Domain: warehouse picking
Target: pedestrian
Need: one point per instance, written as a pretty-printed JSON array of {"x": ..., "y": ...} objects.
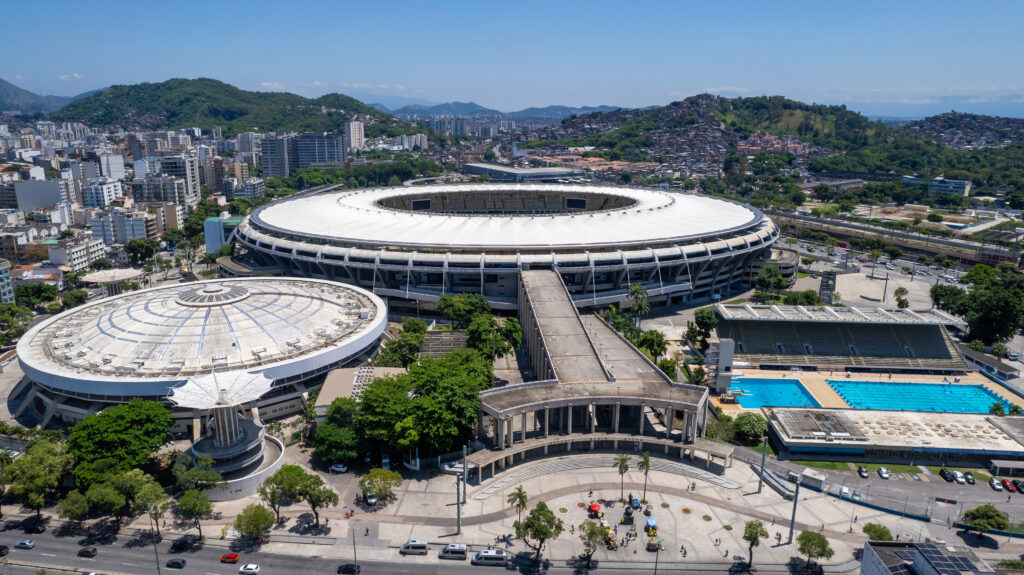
[
  {"x": 773, "y": 521},
  {"x": 591, "y": 494},
  {"x": 572, "y": 529},
  {"x": 367, "y": 534},
  {"x": 854, "y": 518},
  {"x": 726, "y": 552}
]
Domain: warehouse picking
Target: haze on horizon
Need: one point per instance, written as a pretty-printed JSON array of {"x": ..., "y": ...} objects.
[{"x": 893, "y": 58}]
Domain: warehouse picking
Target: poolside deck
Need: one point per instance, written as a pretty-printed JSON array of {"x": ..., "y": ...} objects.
[{"x": 814, "y": 382}]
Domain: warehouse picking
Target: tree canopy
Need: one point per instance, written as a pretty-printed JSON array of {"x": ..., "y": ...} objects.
[
  {"x": 118, "y": 438},
  {"x": 462, "y": 308},
  {"x": 986, "y": 518},
  {"x": 993, "y": 309},
  {"x": 381, "y": 483},
  {"x": 540, "y": 525}
]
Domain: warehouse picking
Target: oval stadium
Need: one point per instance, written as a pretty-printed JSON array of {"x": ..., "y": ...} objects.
[
  {"x": 417, "y": 243},
  {"x": 196, "y": 338}
]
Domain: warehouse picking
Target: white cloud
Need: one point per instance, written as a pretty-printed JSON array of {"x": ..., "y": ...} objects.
[
  {"x": 64, "y": 77},
  {"x": 317, "y": 83},
  {"x": 272, "y": 85},
  {"x": 17, "y": 76},
  {"x": 76, "y": 75}
]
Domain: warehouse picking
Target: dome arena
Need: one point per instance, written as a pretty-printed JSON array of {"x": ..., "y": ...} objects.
[
  {"x": 417, "y": 243},
  {"x": 208, "y": 342}
]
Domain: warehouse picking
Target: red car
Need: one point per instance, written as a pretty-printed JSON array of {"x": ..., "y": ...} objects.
[
  {"x": 229, "y": 558},
  {"x": 1009, "y": 486}
]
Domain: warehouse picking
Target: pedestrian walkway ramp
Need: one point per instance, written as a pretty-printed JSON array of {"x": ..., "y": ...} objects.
[{"x": 562, "y": 465}]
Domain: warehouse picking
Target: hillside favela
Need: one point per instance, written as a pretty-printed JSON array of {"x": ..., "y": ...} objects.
[{"x": 461, "y": 287}]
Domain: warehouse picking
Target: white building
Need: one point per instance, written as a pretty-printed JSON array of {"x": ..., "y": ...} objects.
[
  {"x": 941, "y": 185},
  {"x": 118, "y": 227},
  {"x": 63, "y": 213},
  {"x": 77, "y": 254},
  {"x": 101, "y": 192},
  {"x": 252, "y": 189},
  {"x": 112, "y": 166},
  {"x": 354, "y": 137}
]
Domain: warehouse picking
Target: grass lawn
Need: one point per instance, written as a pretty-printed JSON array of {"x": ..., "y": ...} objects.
[
  {"x": 894, "y": 467},
  {"x": 738, "y": 300},
  {"x": 980, "y": 475},
  {"x": 760, "y": 445},
  {"x": 836, "y": 465},
  {"x": 801, "y": 275}
]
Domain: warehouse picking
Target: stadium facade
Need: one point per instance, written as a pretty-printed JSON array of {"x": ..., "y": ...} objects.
[{"x": 418, "y": 243}]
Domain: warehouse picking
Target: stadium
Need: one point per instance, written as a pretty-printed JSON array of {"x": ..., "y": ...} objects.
[
  {"x": 190, "y": 344},
  {"x": 417, "y": 243}
]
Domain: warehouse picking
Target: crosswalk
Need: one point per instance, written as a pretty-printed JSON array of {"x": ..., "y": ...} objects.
[{"x": 561, "y": 465}]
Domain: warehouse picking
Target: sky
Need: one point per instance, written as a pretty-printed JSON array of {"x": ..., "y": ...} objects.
[{"x": 894, "y": 57}]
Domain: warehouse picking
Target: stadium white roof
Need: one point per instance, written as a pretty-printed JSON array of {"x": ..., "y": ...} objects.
[
  {"x": 172, "y": 334},
  {"x": 356, "y": 216},
  {"x": 833, "y": 314}
]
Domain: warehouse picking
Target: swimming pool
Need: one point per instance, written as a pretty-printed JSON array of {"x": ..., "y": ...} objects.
[
  {"x": 916, "y": 396},
  {"x": 759, "y": 392}
]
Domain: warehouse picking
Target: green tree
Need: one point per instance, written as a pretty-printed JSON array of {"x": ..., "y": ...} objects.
[
  {"x": 462, "y": 308},
  {"x": 813, "y": 545},
  {"x": 492, "y": 338},
  {"x": 104, "y": 499},
  {"x": 1016, "y": 409},
  {"x": 518, "y": 500},
  {"x": 695, "y": 375},
  {"x": 539, "y": 526},
  {"x": 381, "y": 483},
  {"x": 977, "y": 345},
  {"x": 74, "y": 298},
  {"x": 334, "y": 443},
  {"x": 644, "y": 466},
  {"x": 194, "y": 504},
  {"x": 997, "y": 408},
  {"x": 141, "y": 249},
  {"x": 173, "y": 236},
  {"x": 74, "y": 506},
  {"x": 706, "y": 320},
  {"x": 284, "y": 487},
  {"x": 152, "y": 500},
  {"x": 901, "y": 297},
  {"x": 669, "y": 367},
  {"x": 654, "y": 342},
  {"x": 117, "y": 439},
  {"x": 753, "y": 533},
  {"x": 622, "y": 466},
  {"x": 750, "y": 426},
  {"x": 394, "y": 181},
  {"x": 253, "y": 521},
  {"x": 592, "y": 535},
  {"x": 35, "y": 476},
  {"x": 196, "y": 473},
  {"x": 769, "y": 278},
  {"x": 876, "y": 532},
  {"x": 318, "y": 496},
  {"x": 999, "y": 349},
  {"x": 100, "y": 264},
  {"x": 986, "y": 518},
  {"x": 384, "y": 403}
]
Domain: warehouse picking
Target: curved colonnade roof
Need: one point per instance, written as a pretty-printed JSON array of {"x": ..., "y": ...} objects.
[
  {"x": 358, "y": 217},
  {"x": 186, "y": 332}
]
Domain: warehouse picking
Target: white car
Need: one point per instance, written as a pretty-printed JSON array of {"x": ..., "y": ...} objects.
[
  {"x": 995, "y": 484},
  {"x": 339, "y": 468},
  {"x": 883, "y": 473},
  {"x": 249, "y": 569},
  {"x": 959, "y": 477}
]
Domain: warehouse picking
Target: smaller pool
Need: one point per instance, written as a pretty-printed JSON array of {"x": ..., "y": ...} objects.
[
  {"x": 943, "y": 397},
  {"x": 756, "y": 392}
]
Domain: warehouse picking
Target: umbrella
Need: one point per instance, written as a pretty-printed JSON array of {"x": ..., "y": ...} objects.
[
  {"x": 651, "y": 522},
  {"x": 595, "y": 507}
]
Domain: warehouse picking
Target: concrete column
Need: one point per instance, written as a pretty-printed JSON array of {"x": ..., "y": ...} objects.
[
  {"x": 547, "y": 424},
  {"x": 615, "y": 417},
  {"x": 524, "y": 427},
  {"x": 640, "y": 420},
  {"x": 568, "y": 410},
  {"x": 499, "y": 424},
  {"x": 510, "y": 433},
  {"x": 670, "y": 419},
  {"x": 593, "y": 420}
]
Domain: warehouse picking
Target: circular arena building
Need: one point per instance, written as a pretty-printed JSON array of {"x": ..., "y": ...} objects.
[
  {"x": 417, "y": 243},
  {"x": 198, "y": 346}
]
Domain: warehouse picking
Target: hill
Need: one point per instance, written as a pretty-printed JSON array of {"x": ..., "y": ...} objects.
[
  {"x": 204, "y": 102},
  {"x": 559, "y": 112},
  {"x": 14, "y": 98},
  {"x": 966, "y": 131},
  {"x": 468, "y": 109}
]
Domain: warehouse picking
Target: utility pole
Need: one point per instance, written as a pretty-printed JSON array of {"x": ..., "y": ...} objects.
[
  {"x": 355, "y": 558},
  {"x": 465, "y": 473},
  {"x": 156, "y": 552},
  {"x": 764, "y": 456},
  {"x": 792, "y": 518},
  {"x": 458, "y": 506},
  {"x": 885, "y": 288}
]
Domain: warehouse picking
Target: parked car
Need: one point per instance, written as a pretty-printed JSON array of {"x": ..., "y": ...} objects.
[
  {"x": 945, "y": 474},
  {"x": 862, "y": 471},
  {"x": 339, "y": 468},
  {"x": 1009, "y": 486},
  {"x": 349, "y": 569},
  {"x": 87, "y": 552},
  {"x": 370, "y": 499},
  {"x": 1019, "y": 485},
  {"x": 249, "y": 569},
  {"x": 959, "y": 477},
  {"x": 883, "y": 473},
  {"x": 856, "y": 495},
  {"x": 995, "y": 484},
  {"x": 844, "y": 492},
  {"x": 25, "y": 544},
  {"x": 36, "y": 527},
  {"x": 176, "y": 563},
  {"x": 4, "y": 550}
]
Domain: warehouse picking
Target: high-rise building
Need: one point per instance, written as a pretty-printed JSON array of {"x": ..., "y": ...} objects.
[
  {"x": 248, "y": 143},
  {"x": 77, "y": 254},
  {"x": 317, "y": 148},
  {"x": 169, "y": 216},
  {"x": 216, "y": 175},
  {"x": 161, "y": 189},
  {"x": 112, "y": 166},
  {"x": 133, "y": 143},
  {"x": 6, "y": 286},
  {"x": 354, "y": 137},
  {"x": 118, "y": 227},
  {"x": 100, "y": 192},
  {"x": 33, "y": 195},
  {"x": 252, "y": 189},
  {"x": 63, "y": 213},
  {"x": 279, "y": 155},
  {"x": 186, "y": 168},
  {"x": 216, "y": 133}
]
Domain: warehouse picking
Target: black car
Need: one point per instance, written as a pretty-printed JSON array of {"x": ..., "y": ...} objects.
[
  {"x": 969, "y": 477},
  {"x": 186, "y": 543},
  {"x": 863, "y": 471},
  {"x": 945, "y": 474},
  {"x": 1019, "y": 485},
  {"x": 4, "y": 550},
  {"x": 36, "y": 527},
  {"x": 176, "y": 563},
  {"x": 349, "y": 569},
  {"x": 87, "y": 552}
]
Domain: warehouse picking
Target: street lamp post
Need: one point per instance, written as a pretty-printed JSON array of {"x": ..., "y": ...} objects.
[
  {"x": 764, "y": 457},
  {"x": 156, "y": 551}
]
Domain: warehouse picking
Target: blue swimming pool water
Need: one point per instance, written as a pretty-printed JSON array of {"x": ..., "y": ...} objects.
[
  {"x": 759, "y": 392},
  {"x": 916, "y": 396}
]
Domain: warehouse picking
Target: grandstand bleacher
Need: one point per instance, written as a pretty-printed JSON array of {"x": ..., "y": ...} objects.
[{"x": 845, "y": 338}]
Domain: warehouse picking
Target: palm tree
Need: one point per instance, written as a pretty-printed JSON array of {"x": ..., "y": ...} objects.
[
  {"x": 644, "y": 465},
  {"x": 642, "y": 308},
  {"x": 518, "y": 500},
  {"x": 695, "y": 375},
  {"x": 622, "y": 464},
  {"x": 638, "y": 295}
]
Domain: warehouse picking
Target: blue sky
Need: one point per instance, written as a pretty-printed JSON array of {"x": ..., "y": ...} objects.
[{"x": 873, "y": 56}]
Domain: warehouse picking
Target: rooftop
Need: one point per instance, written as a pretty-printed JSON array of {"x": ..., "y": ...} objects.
[{"x": 833, "y": 314}]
